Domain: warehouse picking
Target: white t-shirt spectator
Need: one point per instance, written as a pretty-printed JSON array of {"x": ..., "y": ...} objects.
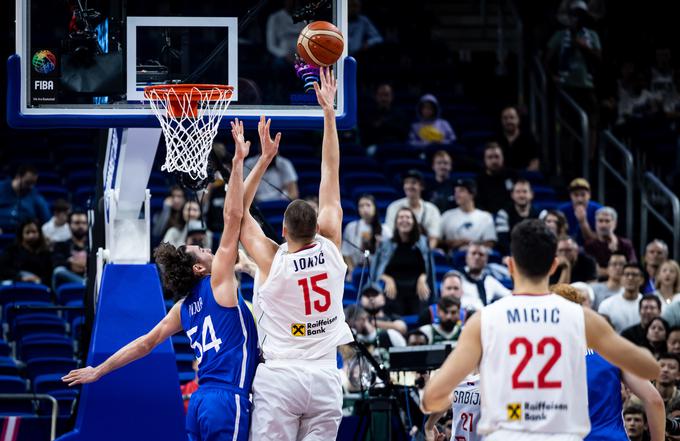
[
  {"x": 477, "y": 225},
  {"x": 357, "y": 233},
  {"x": 493, "y": 288},
  {"x": 54, "y": 233},
  {"x": 282, "y": 34},
  {"x": 602, "y": 292},
  {"x": 428, "y": 216},
  {"x": 277, "y": 176},
  {"x": 622, "y": 313}
]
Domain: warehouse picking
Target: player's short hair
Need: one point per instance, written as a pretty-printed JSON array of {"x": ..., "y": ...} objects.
[
  {"x": 447, "y": 302},
  {"x": 533, "y": 247},
  {"x": 300, "y": 220},
  {"x": 650, "y": 298},
  {"x": 669, "y": 356},
  {"x": 635, "y": 409},
  {"x": 176, "y": 269}
]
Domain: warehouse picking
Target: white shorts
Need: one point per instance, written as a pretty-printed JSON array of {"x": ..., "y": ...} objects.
[
  {"x": 511, "y": 435},
  {"x": 295, "y": 400}
]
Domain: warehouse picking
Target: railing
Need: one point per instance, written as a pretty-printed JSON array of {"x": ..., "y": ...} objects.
[
  {"x": 609, "y": 143},
  {"x": 33, "y": 397},
  {"x": 652, "y": 187},
  {"x": 581, "y": 134},
  {"x": 538, "y": 107}
]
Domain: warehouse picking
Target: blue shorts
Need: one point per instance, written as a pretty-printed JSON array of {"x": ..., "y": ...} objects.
[{"x": 218, "y": 413}]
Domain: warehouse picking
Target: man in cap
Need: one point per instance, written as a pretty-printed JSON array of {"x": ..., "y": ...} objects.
[
  {"x": 427, "y": 214},
  {"x": 580, "y": 212},
  {"x": 466, "y": 224}
]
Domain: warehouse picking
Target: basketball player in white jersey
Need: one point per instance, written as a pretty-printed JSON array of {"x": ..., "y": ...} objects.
[
  {"x": 297, "y": 300},
  {"x": 466, "y": 409},
  {"x": 531, "y": 351}
]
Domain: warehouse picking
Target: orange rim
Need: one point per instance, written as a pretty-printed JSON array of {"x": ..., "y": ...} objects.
[{"x": 173, "y": 93}]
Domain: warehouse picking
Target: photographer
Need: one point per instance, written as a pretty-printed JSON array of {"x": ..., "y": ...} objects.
[
  {"x": 373, "y": 301},
  {"x": 366, "y": 331}
]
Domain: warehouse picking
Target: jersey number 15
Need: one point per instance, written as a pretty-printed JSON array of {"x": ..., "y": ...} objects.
[{"x": 318, "y": 305}]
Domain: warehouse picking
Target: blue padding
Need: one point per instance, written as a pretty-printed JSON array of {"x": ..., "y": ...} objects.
[
  {"x": 18, "y": 120},
  {"x": 141, "y": 401}
]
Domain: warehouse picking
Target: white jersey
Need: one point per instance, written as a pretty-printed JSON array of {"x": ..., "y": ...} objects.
[
  {"x": 299, "y": 306},
  {"x": 466, "y": 409},
  {"x": 533, "y": 367}
]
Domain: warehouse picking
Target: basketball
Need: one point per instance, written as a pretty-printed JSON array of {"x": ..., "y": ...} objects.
[{"x": 320, "y": 43}]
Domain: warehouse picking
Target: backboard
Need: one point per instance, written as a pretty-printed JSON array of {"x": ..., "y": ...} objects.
[{"x": 85, "y": 64}]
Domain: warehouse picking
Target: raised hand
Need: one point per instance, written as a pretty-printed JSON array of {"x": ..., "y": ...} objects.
[
  {"x": 242, "y": 147},
  {"x": 325, "y": 93},
  {"x": 269, "y": 146},
  {"x": 81, "y": 376}
]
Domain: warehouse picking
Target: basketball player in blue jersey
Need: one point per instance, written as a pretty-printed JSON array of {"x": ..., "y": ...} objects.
[
  {"x": 215, "y": 318},
  {"x": 604, "y": 392}
]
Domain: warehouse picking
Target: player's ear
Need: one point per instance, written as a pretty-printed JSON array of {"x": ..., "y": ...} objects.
[
  {"x": 198, "y": 269},
  {"x": 318, "y": 229},
  {"x": 511, "y": 267}
]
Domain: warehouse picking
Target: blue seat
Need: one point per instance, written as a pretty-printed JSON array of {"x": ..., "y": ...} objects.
[
  {"x": 81, "y": 178},
  {"x": 247, "y": 289},
  {"x": 309, "y": 177},
  {"x": 410, "y": 320},
  {"x": 158, "y": 179},
  {"x": 4, "y": 349},
  {"x": 350, "y": 292},
  {"x": 306, "y": 164},
  {"x": 70, "y": 165},
  {"x": 276, "y": 222},
  {"x": 52, "y": 192},
  {"x": 12, "y": 310},
  {"x": 77, "y": 327},
  {"x": 24, "y": 326},
  {"x": 440, "y": 258},
  {"x": 46, "y": 347},
  {"x": 185, "y": 377},
  {"x": 382, "y": 192},
  {"x": 535, "y": 177},
  {"x": 6, "y": 239},
  {"x": 396, "y": 150},
  {"x": 349, "y": 207},
  {"x": 273, "y": 208},
  {"x": 48, "y": 383},
  {"x": 71, "y": 314},
  {"x": 50, "y": 178},
  {"x": 82, "y": 196},
  {"x": 8, "y": 367},
  {"x": 69, "y": 292},
  {"x": 546, "y": 205},
  {"x": 440, "y": 270},
  {"x": 357, "y": 179},
  {"x": 347, "y": 218},
  {"x": 358, "y": 164},
  {"x": 185, "y": 362},
  {"x": 65, "y": 399},
  {"x": 12, "y": 385},
  {"x": 24, "y": 292},
  {"x": 544, "y": 193},
  {"x": 50, "y": 365},
  {"x": 182, "y": 345}
]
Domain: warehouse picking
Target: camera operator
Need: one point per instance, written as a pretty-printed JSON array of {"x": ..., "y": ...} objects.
[{"x": 373, "y": 301}]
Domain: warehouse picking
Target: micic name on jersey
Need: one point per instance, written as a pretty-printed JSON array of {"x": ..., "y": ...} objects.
[{"x": 533, "y": 315}]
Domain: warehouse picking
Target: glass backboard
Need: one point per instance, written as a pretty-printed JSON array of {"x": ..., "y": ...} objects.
[{"x": 85, "y": 64}]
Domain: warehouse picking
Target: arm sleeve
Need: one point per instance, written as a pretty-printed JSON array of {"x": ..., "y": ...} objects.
[
  {"x": 434, "y": 220},
  {"x": 489, "y": 229}
]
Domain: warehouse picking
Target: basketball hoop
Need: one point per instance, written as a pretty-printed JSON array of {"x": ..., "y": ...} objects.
[{"x": 190, "y": 115}]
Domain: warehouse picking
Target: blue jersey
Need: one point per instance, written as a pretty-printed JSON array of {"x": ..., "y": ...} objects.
[
  {"x": 224, "y": 339},
  {"x": 604, "y": 399}
]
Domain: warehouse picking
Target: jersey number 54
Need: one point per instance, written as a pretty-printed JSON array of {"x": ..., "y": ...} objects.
[{"x": 204, "y": 345}]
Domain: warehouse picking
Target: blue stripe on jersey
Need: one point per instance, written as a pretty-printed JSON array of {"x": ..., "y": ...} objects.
[
  {"x": 604, "y": 400},
  {"x": 224, "y": 339}
]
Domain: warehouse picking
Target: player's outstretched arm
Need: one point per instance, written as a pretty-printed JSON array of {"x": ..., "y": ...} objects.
[
  {"x": 652, "y": 402},
  {"x": 459, "y": 363},
  {"x": 330, "y": 209},
  {"x": 617, "y": 350},
  {"x": 222, "y": 275},
  {"x": 257, "y": 244},
  {"x": 136, "y": 349}
]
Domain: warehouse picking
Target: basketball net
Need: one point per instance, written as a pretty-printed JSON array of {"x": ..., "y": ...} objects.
[{"x": 190, "y": 115}]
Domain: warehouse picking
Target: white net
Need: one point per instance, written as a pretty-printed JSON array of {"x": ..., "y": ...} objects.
[{"x": 189, "y": 117}]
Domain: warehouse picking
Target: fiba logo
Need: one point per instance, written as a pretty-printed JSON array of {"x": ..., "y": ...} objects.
[{"x": 44, "y": 62}]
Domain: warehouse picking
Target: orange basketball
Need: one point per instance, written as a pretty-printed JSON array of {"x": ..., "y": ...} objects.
[{"x": 320, "y": 43}]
